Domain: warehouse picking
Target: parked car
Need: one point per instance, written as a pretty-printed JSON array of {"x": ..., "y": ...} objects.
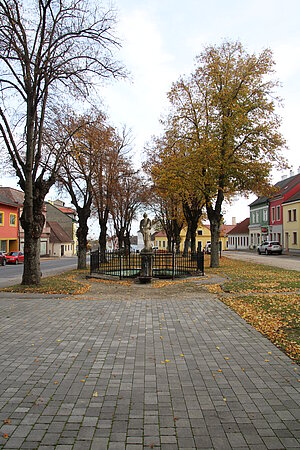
[
  {"x": 2, "y": 258},
  {"x": 14, "y": 257},
  {"x": 207, "y": 248},
  {"x": 269, "y": 247}
]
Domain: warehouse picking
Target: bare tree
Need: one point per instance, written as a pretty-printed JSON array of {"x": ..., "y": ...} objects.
[
  {"x": 130, "y": 194},
  {"x": 111, "y": 149},
  {"x": 46, "y": 49}
]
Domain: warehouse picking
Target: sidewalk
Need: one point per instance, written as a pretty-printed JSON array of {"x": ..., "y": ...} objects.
[{"x": 183, "y": 372}]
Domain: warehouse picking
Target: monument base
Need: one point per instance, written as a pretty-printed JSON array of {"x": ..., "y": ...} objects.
[{"x": 146, "y": 267}]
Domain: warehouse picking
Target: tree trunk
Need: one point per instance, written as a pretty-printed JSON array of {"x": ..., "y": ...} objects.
[
  {"x": 32, "y": 221},
  {"x": 215, "y": 218},
  {"x": 215, "y": 236},
  {"x": 102, "y": 240},
  {"x": 187, "y": 241},
  {"x": 194, "y": 226},
  {"x": 82, "y": 232}
]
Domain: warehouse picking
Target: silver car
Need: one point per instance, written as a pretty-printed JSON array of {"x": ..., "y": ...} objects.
[{"x": 269, "y": 248}]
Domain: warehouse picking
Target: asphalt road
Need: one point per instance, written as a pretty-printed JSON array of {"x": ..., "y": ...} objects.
[
  {"x": 287, "y": 262},
  {"x": 11, "y": 274}
]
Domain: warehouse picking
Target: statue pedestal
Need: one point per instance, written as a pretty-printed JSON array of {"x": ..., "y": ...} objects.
[{"x": 146, "y": 267}]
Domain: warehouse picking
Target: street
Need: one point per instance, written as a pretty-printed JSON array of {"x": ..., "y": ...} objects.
[
  {"x": 12, "y": 274},
  {"x": 288, "y": 262}
]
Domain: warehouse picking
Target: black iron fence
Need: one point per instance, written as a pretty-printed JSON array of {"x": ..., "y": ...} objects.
[{"x": 165, "y": 265}]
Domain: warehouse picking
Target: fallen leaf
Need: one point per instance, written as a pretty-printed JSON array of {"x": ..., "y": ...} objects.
[
  {"x": 5, "y": 435},
  {"x": 7, "y": 421},
  {"x": 220, "y": 370},
  {"x": 167, "y": 360},
  {"x": 181, "y": 354},
  {"x": 82, "y": 381},
  {"x": 95, "y": 394}
]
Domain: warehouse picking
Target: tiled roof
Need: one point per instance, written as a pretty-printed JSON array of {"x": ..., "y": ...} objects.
[
  {"x": 241, "y": 228},
  {"x": 66, "y": 209},
  {"x": 6, "y": 200},
  {"x": 160, "y": 234},
  {"x": 224, "y": 230},
  {"x": 282, "y": 186},
  {"x": 14, "y": 195},
  {"x": 294, "y": 198},
  {"x": 58, "y": 234}
]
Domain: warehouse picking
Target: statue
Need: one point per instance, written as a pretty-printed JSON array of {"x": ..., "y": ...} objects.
[{"x": 145, "y": 229}]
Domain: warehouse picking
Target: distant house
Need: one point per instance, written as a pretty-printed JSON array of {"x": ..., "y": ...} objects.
[
  {"x": 17, "y": 197},
  {"x": 238, "y": 237},
  {"x": 203, "y": 236},
  {"x": 66, "y": 217},
  {"x": 60, "y": 241},
  {"x": 259, "y": 221},
  {"x": 9, "y": 224},
  {"x": 291, "y": 223}
]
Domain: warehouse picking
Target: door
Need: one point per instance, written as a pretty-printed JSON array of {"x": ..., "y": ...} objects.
[{"x": 62, "y": 250}]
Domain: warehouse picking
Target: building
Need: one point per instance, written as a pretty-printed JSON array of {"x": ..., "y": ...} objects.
[
  {"x": 291, "y": 223},
  {"x": 17, "y": 197},
  {"x": 66, "y": 217},
  {"x": 259, "y": 221},
  {"x": 9, "y": 224},
  {"x": 203, "y": 237},
  {"x": 287, "y": 187},
  {"x": 238, "y": 237},
  {"x": 60, "y": 242}
]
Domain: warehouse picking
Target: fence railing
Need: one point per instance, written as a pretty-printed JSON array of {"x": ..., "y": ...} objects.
[{"x": 165, "y": 265}]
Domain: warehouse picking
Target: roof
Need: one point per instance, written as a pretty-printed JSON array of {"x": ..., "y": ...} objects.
[
  {"x": 241, "y": 227},
  {"x": 259, "y": 201},
  {"x": 14, "y": 195},
  {"x": 282, "y": 186},
  {"x": 293, "y": 198},
  {"x": 7, "y": 201},
  {"x": 66, "y": 209},
  {"x": 224, "y": 230},
  {"x": 58, "y": 234},
  {"x": 160, "y": 234}
]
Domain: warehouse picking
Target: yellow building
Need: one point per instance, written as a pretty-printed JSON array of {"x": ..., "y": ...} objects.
[
  {"x": 202, "y": 237},
  {"x": 291, "y": 223}
]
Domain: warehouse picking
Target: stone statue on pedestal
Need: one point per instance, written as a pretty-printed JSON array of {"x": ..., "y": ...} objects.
[{"x": 145, "y": 228}]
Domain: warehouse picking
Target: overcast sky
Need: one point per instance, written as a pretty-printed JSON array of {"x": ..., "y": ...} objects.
[{"x": 161, "y": 38}]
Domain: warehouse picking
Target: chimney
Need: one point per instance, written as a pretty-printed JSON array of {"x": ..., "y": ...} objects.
[
  {"x": 291, "y": 173},
  {"x": 234, "y": 221}
]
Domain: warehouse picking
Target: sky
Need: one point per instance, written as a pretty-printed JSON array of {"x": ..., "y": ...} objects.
[{"x": 160, "y": 40}]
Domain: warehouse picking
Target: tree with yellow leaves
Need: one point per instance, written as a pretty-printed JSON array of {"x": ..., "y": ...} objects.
[{"x": 224, "y": 113}]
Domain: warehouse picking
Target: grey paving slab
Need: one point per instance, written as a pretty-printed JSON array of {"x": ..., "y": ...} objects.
[{"x": 174, "y": 373}]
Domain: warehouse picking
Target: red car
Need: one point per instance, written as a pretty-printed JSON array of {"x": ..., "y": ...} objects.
[
  {"x": 2, "y": 258},
  {"x": 14, "y": 258}
]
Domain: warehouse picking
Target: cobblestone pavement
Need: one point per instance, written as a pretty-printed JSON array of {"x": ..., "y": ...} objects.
[{"x": 183, "y": 372}]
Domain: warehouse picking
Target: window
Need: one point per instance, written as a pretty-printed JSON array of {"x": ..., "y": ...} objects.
[
  {"x": 1, "y": 218},
  {"x": 289, "y": 215},
  {"x": 278, "y": 212},
  {"x": 294, "y": 237},
  {"x": 12, "y": 220},
  {"x": 199, "y": 232},
  {"x": 279, "y": 238},
  {"x": 164, "y": 244},
  {"x": 294, "y": 215},
  {"x": 272, "y": 214},
  {"x": 159, "y": 243},
  {"x": 257, "y": 217},
  {"x": 253, "y": 217}
]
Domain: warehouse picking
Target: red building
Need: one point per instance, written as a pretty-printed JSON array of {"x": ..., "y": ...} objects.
[
  {"x": 286, "y": 188},
  {"x": 16, "y": 198},
  {"x": 9, "y": 224}
]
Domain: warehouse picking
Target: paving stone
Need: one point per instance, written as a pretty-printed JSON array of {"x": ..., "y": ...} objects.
[{"x": 114, "y": 347}]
